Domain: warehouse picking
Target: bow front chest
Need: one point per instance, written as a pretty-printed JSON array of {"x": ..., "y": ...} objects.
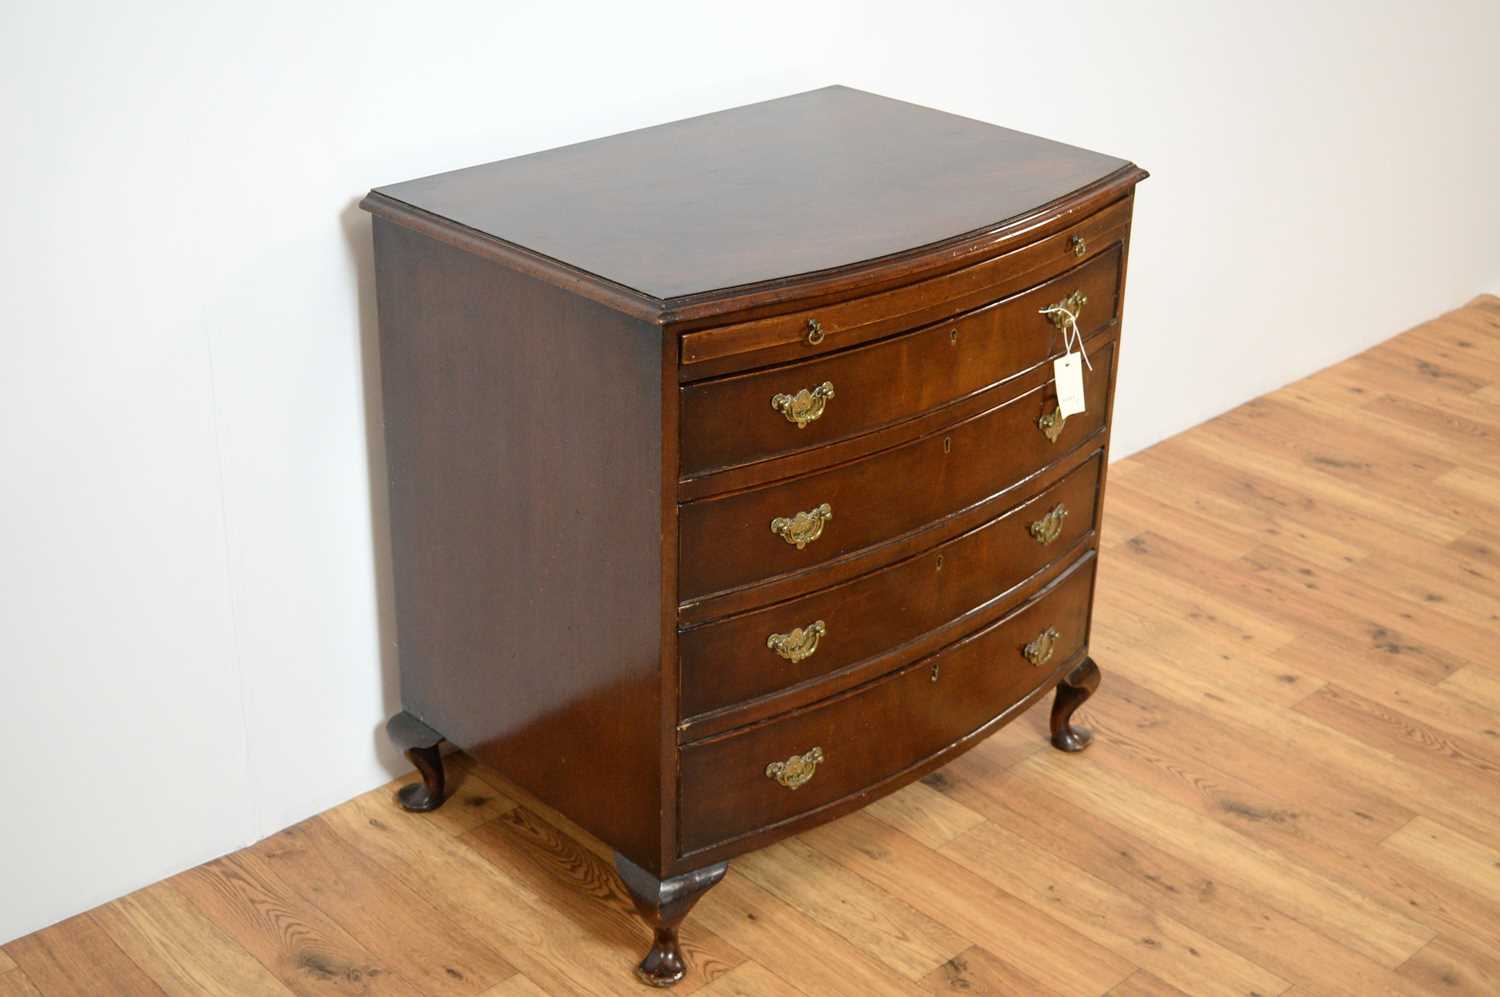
[{"x": 730, "y": 487}]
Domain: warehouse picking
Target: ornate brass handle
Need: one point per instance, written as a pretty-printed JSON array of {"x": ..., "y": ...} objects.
[
  {"x": 1049, "y": 527},
  {"x": 796, "y": 770},
  {"x": 1073, "y": 303},
  {"x": 805, "y": 406},
  {"x": 815, "y": 332},
  {"x": 801, "y": 643},
  {"x": 1051, "y": 424},
  {"x": 1079, "y": 245},
  {"x": 1039, "y": 651},
  {"x": 803, "y": 528}
]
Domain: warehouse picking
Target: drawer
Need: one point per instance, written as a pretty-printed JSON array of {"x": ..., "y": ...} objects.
[
  {"x": 788, "y": 767},
  {"x": 750, "y": 417},
  {"x": 835, "y": 325},
  {"x": 755, "y": 654},
  {"x": 794, "y": 525}
]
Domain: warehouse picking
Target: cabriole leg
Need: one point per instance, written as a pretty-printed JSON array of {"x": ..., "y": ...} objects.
[
  {"x": 1071, "y": 694},
  {"x": 420, "y": 743},
  {"x": 663, "y": 904}
]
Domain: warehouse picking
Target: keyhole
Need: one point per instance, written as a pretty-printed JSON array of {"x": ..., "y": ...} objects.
[
  {"x": 947, "y": 444},
  {"x": 940, "y": 562},
  {"x": 953, "y": 336},
  {"x": 935, "y": 669}
]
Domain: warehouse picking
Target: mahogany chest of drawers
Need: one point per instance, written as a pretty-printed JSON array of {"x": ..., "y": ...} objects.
[{"x": 728, "y": 486}]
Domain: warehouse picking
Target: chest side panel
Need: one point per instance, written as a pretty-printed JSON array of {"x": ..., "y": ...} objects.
[{"x": 524, "y": 447}]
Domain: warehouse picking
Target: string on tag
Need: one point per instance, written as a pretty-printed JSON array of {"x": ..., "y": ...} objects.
[{"x": 1072, "y": 337}]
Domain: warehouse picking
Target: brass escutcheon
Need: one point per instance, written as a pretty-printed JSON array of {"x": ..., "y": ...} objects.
[
  {"x": 815, "y": 332},
  {"x": 796, "y": 770},
  {"x": 1073, "y": 303},
  {"x": 1049, "y": 527},
  {"x": 1039, "y": 651},
  {"x": 805, "y": 406},
  {"x": 801, "y": 643},
  {"x": 1079, "y": 246},
  {"x": 803, "y": 528},
  {"x": 1051, "y": 424}
]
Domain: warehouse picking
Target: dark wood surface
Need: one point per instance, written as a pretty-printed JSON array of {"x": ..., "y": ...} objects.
[
  {"x": 882, "y": 728},
  {"x": 526, "y": 478},
  {"x": 726, "y": 542},
  {"x": 801, "y": 184},
  {"x": 874, "y": 619},
  {"x": 730, "y": 421}
]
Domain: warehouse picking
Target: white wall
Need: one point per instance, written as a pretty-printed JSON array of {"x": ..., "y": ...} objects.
[{"x": 193, "y": 636}]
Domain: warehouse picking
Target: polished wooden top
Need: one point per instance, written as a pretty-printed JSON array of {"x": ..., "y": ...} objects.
[{"x": 757, "y": 194}]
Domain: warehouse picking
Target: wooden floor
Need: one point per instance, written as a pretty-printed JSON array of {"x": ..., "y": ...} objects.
[{"x": 1295, "y": 788}]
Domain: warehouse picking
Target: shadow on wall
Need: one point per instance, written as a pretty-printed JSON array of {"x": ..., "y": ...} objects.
[{"x": 359, "y": 241}]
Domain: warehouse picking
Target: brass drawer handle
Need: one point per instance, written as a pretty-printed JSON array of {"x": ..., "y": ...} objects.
[
  {"x": 1039, "y": 651},
  {"x": 1049, "y": 527},
  {"x": 800, "y": 644},
  {"x": 803, "y": 528},
  {"x": 805, "y": 406},
  {"x": 1051, "y": 424},
  {"x": 1073, "y": 303},
  {"x": 815, "y": 332},
  {"x": 1079, "y": 246},
  {"x": 796, "y": 770}
]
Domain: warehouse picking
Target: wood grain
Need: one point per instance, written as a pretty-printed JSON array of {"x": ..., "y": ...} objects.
[
  {"x": 76, "y": 956},
  {"x": 181, "y": 949},
  {"x": 14, "y": 983},
  {"x": 1291, "y": 792}
]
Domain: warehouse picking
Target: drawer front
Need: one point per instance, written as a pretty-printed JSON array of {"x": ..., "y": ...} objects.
[
  {"x": 749, "y": 417},
  {"x": 797, "y": 524},
  {"x": 791, "y": 766},
  {"x": 833, "y": 326},
  {"x": 759, "y": 653}
]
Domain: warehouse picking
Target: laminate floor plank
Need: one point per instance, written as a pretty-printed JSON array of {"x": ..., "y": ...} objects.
[
  {"x": 976, "y": 971},
  {"x": 442, "y": 956},
  {"x": 309, "y": 953},
  {"x": 905, "y": 939},
  {"x": 181, "y": 949},
  {"x": 77, "y": 957},
  {"x": 1292, "y": 788},
  {"x": 15, "y": 983},
  {"x": 1452, "y": 966},
  {"x": 1137, "y": 932}
]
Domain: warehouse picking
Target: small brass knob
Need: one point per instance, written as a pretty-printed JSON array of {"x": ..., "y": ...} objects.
[
  {"x": 815, "y": 332},
  {"x": 1079, "y": 246}
]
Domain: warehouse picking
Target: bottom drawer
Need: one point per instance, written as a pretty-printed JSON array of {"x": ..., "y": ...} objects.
[{"x": 742, "y": 782}]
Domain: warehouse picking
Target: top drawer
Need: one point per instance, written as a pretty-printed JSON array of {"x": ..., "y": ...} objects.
[{"x": 739, "y": 420}]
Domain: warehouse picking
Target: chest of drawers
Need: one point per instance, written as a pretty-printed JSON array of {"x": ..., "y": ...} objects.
[{"x": 728, "y": 486}]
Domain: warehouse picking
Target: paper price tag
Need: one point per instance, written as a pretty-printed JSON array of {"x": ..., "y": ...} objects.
[{"x": 1067, "y": 372}]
